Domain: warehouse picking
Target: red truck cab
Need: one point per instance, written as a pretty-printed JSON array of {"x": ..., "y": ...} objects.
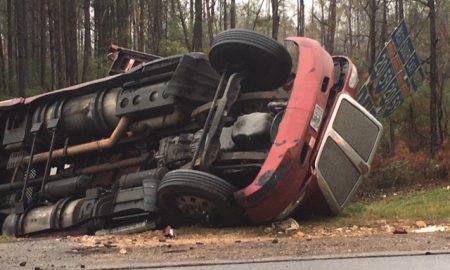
[{"x": 322, "y": 83}]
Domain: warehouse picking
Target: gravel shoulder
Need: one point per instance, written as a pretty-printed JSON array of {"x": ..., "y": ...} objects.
[{"x": 201, "y": 246}]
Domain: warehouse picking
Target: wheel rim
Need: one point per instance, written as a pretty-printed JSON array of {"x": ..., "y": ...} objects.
[{"x": 195, "y": 207}]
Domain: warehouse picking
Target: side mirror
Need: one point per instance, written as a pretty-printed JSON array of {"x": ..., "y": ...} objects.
[{"x": 346, "y": 151}]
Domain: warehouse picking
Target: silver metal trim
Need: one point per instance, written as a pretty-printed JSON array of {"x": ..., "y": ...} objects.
[{"x": 356, "y": 159}]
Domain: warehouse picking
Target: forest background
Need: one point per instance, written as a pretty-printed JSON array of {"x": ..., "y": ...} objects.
[{"x": 51, "y": 44}]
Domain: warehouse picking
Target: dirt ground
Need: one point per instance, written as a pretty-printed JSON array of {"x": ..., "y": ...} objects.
[{"x": 195, "y": 245}]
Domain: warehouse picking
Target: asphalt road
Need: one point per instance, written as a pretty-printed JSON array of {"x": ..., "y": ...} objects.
[
  {"x": 227, "y": 251},
  {"x": 372, "y": 262}
]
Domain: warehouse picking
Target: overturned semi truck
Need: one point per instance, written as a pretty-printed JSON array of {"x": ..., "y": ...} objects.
[{"x": 254, "y": 132}]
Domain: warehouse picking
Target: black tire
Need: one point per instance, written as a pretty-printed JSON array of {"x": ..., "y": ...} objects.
[
  {"x": 215, "y": 194},
  {"x": 267, "y": 62}
]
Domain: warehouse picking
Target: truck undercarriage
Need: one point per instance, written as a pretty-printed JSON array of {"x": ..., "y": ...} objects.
[{"x": 250, "y": 134}]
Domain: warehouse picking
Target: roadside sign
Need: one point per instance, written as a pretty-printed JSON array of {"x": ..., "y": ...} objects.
[{"x": 396, "y": 73}]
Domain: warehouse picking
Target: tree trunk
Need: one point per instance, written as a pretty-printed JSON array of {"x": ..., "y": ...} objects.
[
  {"x": 141, "y": 25},
  {"x": 257, "y": 15},
  {"x": 191, "y": 13},
  {"x": 384, "y": 38},
  {"x": 156, "y": 25},
  {"x": 331, "y": 27},
  {"x": 213, "y": 16},
  {"x": 133, "y": 25},
  {"x": 233, "y": 14},
  {"x": 198, "y": 32},
  {"x": 26, "y": 42},
  {"x": 42, "y": 44},
  {"x": 350, "y": 28},
  {"x": 52, "y": 43},
  {"x": 112, "y": 23},
  {"x": 401, "y": 12},
  {"x": 372, "y": 33},
  {"x": 301, "y": 18},
  {"x": 323, "y": 36},
  {"x": 33, "y": 22},
  {"x": 434, "y": 133},
  {"x": 103, "y": 26},
  {"x": 275, "y": 19},
  {"x": 2, "y": 67},
  {"x": 123, "y": 23},
  {"x": 59, "y": 50},
  {"x": 87, "y": 39},
  {"x": 391, "y": 137},
  {"x": 443, "y": 115},
  {"x": 210, "y": 21},
  {"x": 72, "y": 57},
  {"x": 165, "y": 27},
  {"x": 65, "y": 42},
  {"x": 358, "y": 29},
  {"x": 21, "y": 47},
  {"x": 225, "y": 15},
  {"x": 384, "y": 25},
  {"x": 11, "y": 51},
  {"x": 187, "y": 43}
]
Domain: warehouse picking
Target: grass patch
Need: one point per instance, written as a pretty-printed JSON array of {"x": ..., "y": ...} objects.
[
  {"x": 4, "y": 238},
  {"x": 431, "y": 206}
]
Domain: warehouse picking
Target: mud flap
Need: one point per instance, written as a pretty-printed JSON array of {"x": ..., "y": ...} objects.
[{"x": 346, "y": 151}]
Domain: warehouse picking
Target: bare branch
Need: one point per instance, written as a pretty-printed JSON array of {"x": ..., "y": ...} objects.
[{"x": 425, "y": 3}]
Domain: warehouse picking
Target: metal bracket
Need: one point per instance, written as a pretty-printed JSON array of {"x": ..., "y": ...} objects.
[
  {"x": 52, "y": 125},
  {"x": 209, "y": 144},
  {"x": 21, "y": 204}
]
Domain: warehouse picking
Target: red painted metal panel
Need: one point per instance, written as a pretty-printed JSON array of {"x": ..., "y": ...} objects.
[{"x": 279, "y": 182}]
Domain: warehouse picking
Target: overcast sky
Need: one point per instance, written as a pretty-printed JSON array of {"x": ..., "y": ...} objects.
[{"x": 293, "y": 12}]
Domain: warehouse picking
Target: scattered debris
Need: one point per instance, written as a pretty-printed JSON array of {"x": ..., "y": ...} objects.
[
  {"x": 421, "y": 224},
  {"x": 430, "y": 229},
  {"x": 169, "y": 232},
  {"x": 23, "y": 263},
  {"x": 109, "y": 244},
  {"x": 381, "y": 221},
  {"x": 275, "y": 241},
  {"x": 123, "y": 251},
  {"x": 386, "y": 228},
  {"x": 399, "y": 230},
  {"x": 128, "y": 229},
  {"x": 287, "y": 225}
]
